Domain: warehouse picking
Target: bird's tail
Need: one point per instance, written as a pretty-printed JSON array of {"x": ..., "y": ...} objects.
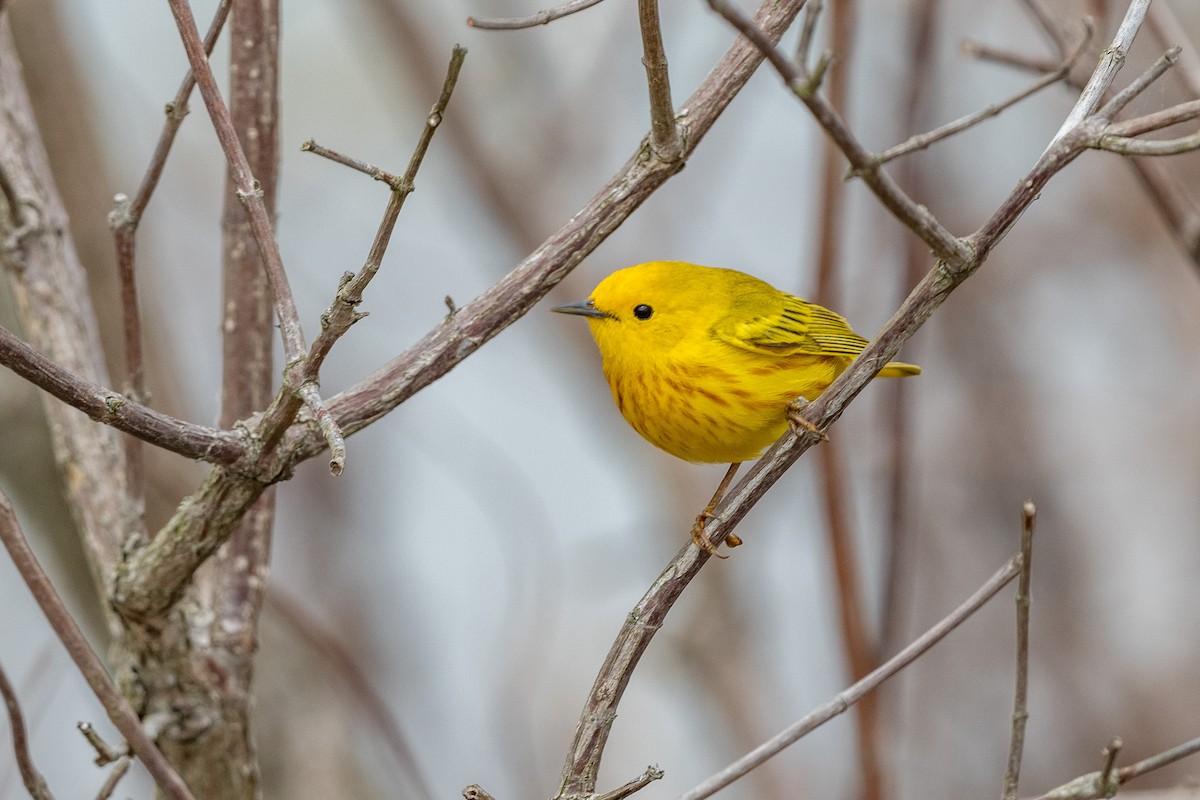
[{"x": 898, "y": 369}]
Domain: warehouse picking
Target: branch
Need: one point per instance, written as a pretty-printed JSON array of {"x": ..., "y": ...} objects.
[
  {"x": 106, "y": 406},
  {"x": 843, "y": 700},
  {"x": 1016, "y": 744},
  {"x": 89, "y": 664},
  {"x": 924, "y": 140},
  {"x": 540, "y": 18},
  {"x": 1107, "y": 783},
  {"x": 664, "y": 135},
  {"x": 35, "y": 784},
  {"x": 1111, "y": 61},
  {"x": 124, "y": 220}
]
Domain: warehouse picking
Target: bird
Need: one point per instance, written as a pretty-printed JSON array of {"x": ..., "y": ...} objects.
[{"x": 705, "y": 362}]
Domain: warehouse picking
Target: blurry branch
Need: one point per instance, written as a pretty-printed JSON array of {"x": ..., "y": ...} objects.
[
  {"x": 1020, "y": 715},
  {"x": 1167, "y": 30},
  {"x": 533, "y": 20},
  {"x": 89, "y": 664},
  {"x": 812, "y": 12},
  {"x": 664, "y": 134},
  {"x": 105, "y": 753},
  {"x": 846, "y": 698},
  {"x": 35, "y": 784},
  {"x": 124, "y": 221},
  {"x": 118, "y": 772},
  {"x": 1107, "y": 782},
  {"x": 1010, "y": 58},
  {"x": 150, "y": 580},
  {"x": 924, "y": 140},
  {"x": 117, "y": 410},
  {"x": 845, "y": 562},
  {"x": 324, "y": 642},
  {"x": 459, "y": 335}
]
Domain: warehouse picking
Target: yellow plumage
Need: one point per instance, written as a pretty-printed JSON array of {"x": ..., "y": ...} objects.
[{"x": 703, "y": 362}]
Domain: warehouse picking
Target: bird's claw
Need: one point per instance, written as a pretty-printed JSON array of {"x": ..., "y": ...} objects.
[
  {"x": 800, "y": 425},
  {"x": 702, "y": 541}
]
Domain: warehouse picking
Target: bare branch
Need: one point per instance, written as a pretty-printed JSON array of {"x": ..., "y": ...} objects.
[
  {"x": 540, "y": 18},
  {"x": 664, "y": 135},
  {"x": 1167, "y": 30},
  {"x": 375, "y": 172},
  {"x": 248, "y": 191},
  {"x": 1143, "y": 147},
  {"x": 1139, "y": 85},
  {"x": 944, "y": 244},
  {"x": 1020, "y": 715},
  {"x": 105, "y": 754},
  {"x": 1110, "y": 753},
  {"x": 846, "y": 698},
  {"x": 924, "y": 140},
  {"x": 1106, "y": 71},
  {"x": 1107, "y": 782},
  {"x": 1183, "y": 112},
  {"x": 1179, "y": 751},
  {"x": 105, "y": 405},
  {"x": 812, "y": 12},
  {"x": 651, "y": 774},
  {"x": 118, "y": 772},
  {"x": 1000, "y": 55},
  {"x": 35, "y": 784},
  {"x": 89, "y": 664}
]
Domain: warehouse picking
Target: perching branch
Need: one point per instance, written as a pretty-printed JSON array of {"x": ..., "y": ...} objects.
[
  {"x": 35, "y": 784},
  {"x": 846, "y": 698},
  {"x": 89, "y": 664},
  {"x": 540, "y": 18}
]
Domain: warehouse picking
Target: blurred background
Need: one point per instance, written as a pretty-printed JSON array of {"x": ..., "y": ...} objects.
[{"x": 488, "y": 537}]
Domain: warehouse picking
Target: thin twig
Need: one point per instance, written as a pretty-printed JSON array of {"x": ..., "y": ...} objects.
[
  {"x": 1183, "y": 112},
  {"x": 652, "y": 773},
  {"x": 110, "y": 784},
  {"x": 1106, "y": 70},
  {"x": 924, "y": 140},
  {"x": 1109, "y": 754},
  {"x": 89, "y": 664},
  {"x": 104, "y": 753},
  {"x": 844, "y": 699},
  {"x": 664, "y": 134},
  {"x": 1127, "y": 146},
  {"x": 804, "y": 85},
  {"x": 1009, "y": 58},
  {"x": 1107, "y": 782},
  {"x": 1122, "y": 98},
  {"x": 812, "y": 12},
  {"x": 375, "y": 172},
  {"x": 1126, "y": 774},
  {"x": 111, "y": 408},
  {"x": 35, "y": 784},
  {"x": 1020, "y": 715},
  {"x": 540, "y": 18}
]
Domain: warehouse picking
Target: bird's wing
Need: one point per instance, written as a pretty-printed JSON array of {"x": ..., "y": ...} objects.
[{"x": 794, "y": 326}]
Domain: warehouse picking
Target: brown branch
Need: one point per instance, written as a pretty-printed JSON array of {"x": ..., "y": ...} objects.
[
  {"x": 118, "y": 772},
  {"x": 540, "y": 18},
  {"x": 664, "y": 134},
  {"x": 1167, "y": 30},
  {"x": 1020, "y": 715},
  {"x": 924, "y": 140},
  {"x": 124, "y": 221},
  {"x": 651, "y": 774},
  {"x": 106, "y": 406},
  {"x": 89, "y": 664},
  {"x": 35, "y": 784},
  {"x": 379, "y": 174},
  {"x": 1009, "y": 58},
  {"x": 812, "y": 12},
  {"x": 803, "y": 84},
  {"x": 1138, "y": 85},
  {"x": 848, "y": 697},
  {"x": 1127, "y": 146}
]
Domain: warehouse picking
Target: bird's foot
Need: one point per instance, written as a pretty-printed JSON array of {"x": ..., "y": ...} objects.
[{"x": 799, "y": 424}]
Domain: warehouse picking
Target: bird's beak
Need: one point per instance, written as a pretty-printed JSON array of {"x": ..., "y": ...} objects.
[{"x": 584, "y": 308}]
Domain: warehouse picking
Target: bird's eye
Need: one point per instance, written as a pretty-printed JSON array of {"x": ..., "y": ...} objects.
[{"x": 643, "y": 311}]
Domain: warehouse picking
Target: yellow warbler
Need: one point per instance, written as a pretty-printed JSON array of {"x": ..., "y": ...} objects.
[{"x": 704, "y": 362}]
